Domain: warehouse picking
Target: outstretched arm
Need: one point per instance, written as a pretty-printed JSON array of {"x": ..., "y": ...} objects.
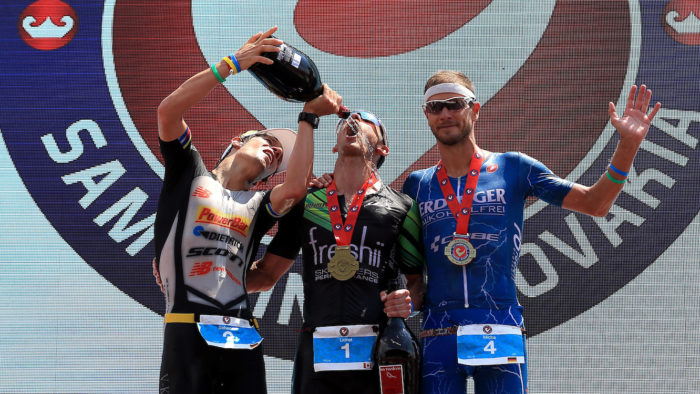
[
  {"x": 633, "y": 126},
  {"x": 285, "y": 195},
  {"x": 172, "y": 108}
]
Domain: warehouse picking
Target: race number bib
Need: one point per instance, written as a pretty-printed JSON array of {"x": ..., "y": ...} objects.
[
  {"x": 344, "y": 348},
  {"x": 490, "y": 344},
  {"x": 228, "y": 332}
]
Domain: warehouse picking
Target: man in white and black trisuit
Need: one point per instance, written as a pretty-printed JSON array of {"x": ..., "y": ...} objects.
[
  {"x": 356, "y": 234},
  {"x": 209, "y": 225}
]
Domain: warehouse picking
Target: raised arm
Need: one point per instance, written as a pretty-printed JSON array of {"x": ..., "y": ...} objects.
[
  {"x": 633, "y": 126},
  {"x": 285, "y": 195},
  {"x": 171, "y": 125}
]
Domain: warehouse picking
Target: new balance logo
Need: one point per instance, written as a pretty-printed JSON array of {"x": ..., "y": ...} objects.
[
  {"x": 201, "y": 268},
  {"x": 201, "y": 192}
]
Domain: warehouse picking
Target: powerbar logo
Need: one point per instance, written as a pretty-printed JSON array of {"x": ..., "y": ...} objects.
[{"x": 236, "y": 223}]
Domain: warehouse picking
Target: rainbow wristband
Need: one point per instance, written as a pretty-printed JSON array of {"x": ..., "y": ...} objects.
[
  {"x": 216, "y": 73},
  {"x": 620, "y": 172},
  {"x": 619, "y": 181}
]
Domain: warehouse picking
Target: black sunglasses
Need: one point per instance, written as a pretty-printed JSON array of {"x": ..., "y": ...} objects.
[{"x": 452, "y": 104}]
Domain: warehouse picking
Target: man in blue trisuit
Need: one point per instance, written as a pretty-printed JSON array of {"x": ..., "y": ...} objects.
[{"x": 471, "y": 205}]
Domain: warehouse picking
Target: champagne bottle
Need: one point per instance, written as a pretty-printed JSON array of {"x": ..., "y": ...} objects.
[
  {"x": 397, "y": 355},
  {"x": 293, "y": 76}
]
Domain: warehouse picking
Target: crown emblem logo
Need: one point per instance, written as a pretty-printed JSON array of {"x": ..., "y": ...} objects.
[
  {"x": 691, "y": 24},
  {"x": 47, "y": 29}
]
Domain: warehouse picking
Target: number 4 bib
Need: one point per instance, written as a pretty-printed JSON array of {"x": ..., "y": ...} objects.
[{"x": 490, "y": 344}]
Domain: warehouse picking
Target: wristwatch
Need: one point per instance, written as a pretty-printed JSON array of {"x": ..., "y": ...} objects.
[{"x": 309, "y": 118}]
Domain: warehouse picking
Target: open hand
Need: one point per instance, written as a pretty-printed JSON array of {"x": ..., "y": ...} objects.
[{"x": 634, "y": 123}]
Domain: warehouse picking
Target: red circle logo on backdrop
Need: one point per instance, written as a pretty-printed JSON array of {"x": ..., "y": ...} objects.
[
  {"x": 681, "y": 21},
  {"x": 48, "y": 24}
]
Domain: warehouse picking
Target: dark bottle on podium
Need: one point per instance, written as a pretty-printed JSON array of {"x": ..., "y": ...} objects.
[
  {"x": 397, "y": 355},
  {"x": 293, "y": 76}
]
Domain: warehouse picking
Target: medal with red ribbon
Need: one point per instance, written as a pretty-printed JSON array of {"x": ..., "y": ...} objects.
[
  {"x": 343, "y": 265},
  {"x": 460, "y": 251}
]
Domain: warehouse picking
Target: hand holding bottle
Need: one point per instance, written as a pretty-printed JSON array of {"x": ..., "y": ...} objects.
[
  {"x": 252, "y": 51},
  {"x": 396, "y": 350},
  {"x": 397, "y": 303},
  {"x": 329, "y": 102}
]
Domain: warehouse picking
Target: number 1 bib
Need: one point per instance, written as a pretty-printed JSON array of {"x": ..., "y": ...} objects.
[
  {"x": 344, "y": 348},
  {"x": 490, "y": 344}
]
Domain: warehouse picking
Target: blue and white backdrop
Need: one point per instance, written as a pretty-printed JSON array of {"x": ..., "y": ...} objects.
[{"x": 611, "y": 303}]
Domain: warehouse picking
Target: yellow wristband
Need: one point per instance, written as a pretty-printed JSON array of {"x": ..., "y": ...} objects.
[{"x": 230, "y": 65}]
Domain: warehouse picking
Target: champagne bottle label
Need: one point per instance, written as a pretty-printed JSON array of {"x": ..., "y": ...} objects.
[
  {"x": 287, "y": 55},
  {"x": 391, "y": 379}
]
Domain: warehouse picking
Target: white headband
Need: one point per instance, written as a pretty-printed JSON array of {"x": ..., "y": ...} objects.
[{"x": 448, "y": 88}]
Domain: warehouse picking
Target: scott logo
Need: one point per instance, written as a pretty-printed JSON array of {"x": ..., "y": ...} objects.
[{"x": 212, "y": 251}]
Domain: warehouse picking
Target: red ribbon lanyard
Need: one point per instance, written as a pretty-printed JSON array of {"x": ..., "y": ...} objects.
[
  {"x": 461, "y": 213},
  {"x": 343, "y": 231}
]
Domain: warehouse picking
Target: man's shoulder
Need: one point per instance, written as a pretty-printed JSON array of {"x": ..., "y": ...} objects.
[
  {"x": 419, "y": 176},
  {"x": 396, "y": 195},
  {"x": 513, "y": 155},
  {"x": 422, "y": 172}
]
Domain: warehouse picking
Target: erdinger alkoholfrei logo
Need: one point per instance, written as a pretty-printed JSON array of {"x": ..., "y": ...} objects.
[{"x": 82, "y": 133}]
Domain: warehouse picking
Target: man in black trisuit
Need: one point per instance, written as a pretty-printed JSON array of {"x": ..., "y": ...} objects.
[
  {"x": 355, "y": 235},
  {"x": 208, "y": 227}
]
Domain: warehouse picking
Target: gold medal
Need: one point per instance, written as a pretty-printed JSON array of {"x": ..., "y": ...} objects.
[
  {"x": 460, "y": 251},
  {"x": 343, "y": 266}
]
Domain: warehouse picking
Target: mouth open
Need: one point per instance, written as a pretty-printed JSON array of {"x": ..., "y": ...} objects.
[{"x": 352, "y": 129}]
